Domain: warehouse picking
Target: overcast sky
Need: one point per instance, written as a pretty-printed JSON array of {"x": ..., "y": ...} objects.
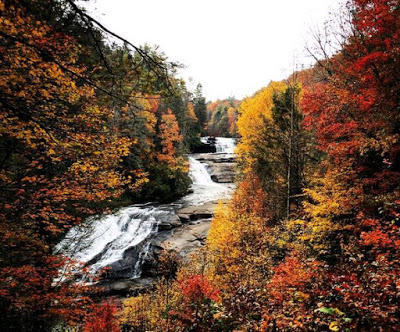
[{"x": 231, "y": 47}]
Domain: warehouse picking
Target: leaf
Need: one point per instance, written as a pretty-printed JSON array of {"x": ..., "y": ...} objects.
[
  {"x": 337, "y": 311},
  {"x": 334, "y": 326},
  {"x": 326, "y": 310}
]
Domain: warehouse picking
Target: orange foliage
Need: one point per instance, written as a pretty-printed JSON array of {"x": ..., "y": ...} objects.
[
  {"x": 59, "y": 155},
  {"x": 170, "y": 137},
  {"x": 292, "y": 275},
  {"x": 197, "y": 288}
]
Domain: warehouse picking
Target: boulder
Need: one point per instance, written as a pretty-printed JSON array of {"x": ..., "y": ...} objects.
[
  {"x": 124, "y": 287},
  {"x": 204, "y": 211},
  {"x": 223, "y": 172},
  {"x": 187, "y": 239},
  {"x": 184, "y": 217},
  {"x": 172, "y": 222}
]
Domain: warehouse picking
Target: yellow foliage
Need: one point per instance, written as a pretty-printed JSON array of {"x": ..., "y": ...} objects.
[
  {"x": 191, "y": 115},
  {"x": 253, "y": 112},
  {"x": 150, "y": 311},
  {"x": 237, "y": 248},
  {"x": 331, "y": 196}
]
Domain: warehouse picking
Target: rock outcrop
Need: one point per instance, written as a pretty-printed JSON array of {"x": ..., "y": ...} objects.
[
  {"x": 221, "y": 166},
  {"x": 183, "y": 231}
]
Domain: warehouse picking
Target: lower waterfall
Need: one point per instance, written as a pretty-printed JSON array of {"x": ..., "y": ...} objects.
[{"x": 121, "y": 240}]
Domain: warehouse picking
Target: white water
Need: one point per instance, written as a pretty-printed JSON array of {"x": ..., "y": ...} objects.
[
  {"x": 204, "y": 189},
  {"x": 198, "y": 173},
  {"x": 105, "y": 241},
  {"x": 225, "y": 145}
]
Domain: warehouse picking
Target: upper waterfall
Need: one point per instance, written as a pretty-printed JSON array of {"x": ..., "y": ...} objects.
[
  {"x": 222, "y": 144},
  {"x": 225, "y": 145}
]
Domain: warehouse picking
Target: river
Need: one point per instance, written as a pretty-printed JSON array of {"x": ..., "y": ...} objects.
[{"x": 122, "y": 240}]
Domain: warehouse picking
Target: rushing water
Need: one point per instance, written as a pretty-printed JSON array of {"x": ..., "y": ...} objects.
[
  {"x": 122, "y": 239},
  {"x": 225, "y": 145},
  {"x": 222, "y": 144}
]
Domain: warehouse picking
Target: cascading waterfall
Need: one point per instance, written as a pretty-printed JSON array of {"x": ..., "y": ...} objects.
[
  {"x": 198, "y": 173},
  {"x": 105, "y": 241},
  {"x": 225, "y": 145},
  {"x": 204, "y": 188},
  {"x": 222, "y": 144},
  {"x": 122, "y": 240}
]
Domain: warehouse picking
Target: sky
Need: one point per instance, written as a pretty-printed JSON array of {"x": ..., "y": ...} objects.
[{"x": 232, "y": 47}]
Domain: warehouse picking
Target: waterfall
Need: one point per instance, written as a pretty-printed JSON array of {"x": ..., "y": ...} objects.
[
  {"x": 198, "y": 173},
  {"x": 204, "y": 188},
  {"x": 222, "y": 144},
  {"x": 225, "y": 145},
  {"x": 122, "y": 240},
  {"x": 104, "y": 241}
]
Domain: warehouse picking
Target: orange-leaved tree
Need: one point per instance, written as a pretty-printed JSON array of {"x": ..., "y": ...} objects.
[{"x": 58, "y": 159}]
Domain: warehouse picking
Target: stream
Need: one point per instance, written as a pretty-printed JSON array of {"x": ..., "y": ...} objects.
[{"x": 122, "y": 240}]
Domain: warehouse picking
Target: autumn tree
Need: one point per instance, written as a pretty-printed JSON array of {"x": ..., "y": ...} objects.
[
  {"x": 200, "y": 109},
  {"x": 222, "y": 115},
  {"x": 333, "y": 264},
  {"x": 291, "y": 137},
  {"x": 354, "y": 112},
  {"x": 61, "y": 149}
]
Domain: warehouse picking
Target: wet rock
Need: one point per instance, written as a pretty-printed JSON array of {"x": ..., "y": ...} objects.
[
  {"x": 216, "y": 157},
  {"x": 198, "y": 212},
  {"x": 205, "y": 148},
  {"x": 194, "y": 222},
  {"x": 221, "y": 166},
  {"x": 125, "y": 287},
  {"x": 162, "y": 226},
  {"x": 176, "y": 221},
  {"x": 125, "y": 267},
  {"x": 223, "y": 172},
  {"x": 184, "y": 217},
  {"x": 172, "y": 222},
  {"x": 187, "y": 239}
]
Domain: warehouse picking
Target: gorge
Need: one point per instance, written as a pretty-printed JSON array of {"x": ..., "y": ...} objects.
[{"x": 128, "y": 241}]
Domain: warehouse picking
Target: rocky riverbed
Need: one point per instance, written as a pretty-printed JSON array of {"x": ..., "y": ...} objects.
[
  {"x": 221, "y": 166},
  {"x": 130, "y": 241},
  {"x": 184, "y": 232}
]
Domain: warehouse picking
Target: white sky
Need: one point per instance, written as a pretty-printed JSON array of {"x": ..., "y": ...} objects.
[{"x": 231, "y": 47}]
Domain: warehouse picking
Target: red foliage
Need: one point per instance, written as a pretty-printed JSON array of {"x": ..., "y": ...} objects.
[
  {"x": 355, "y": 111},
  {"x": 103, "y": 319},
  {"x": 291, "y": 275},
  {"x": 197, "y": 288},
  {"x": 355, "y": 115},
  {"x": 359, "y": 102}
]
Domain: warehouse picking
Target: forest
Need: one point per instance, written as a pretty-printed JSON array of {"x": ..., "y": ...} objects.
[{"x": 309, "y": 241}]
